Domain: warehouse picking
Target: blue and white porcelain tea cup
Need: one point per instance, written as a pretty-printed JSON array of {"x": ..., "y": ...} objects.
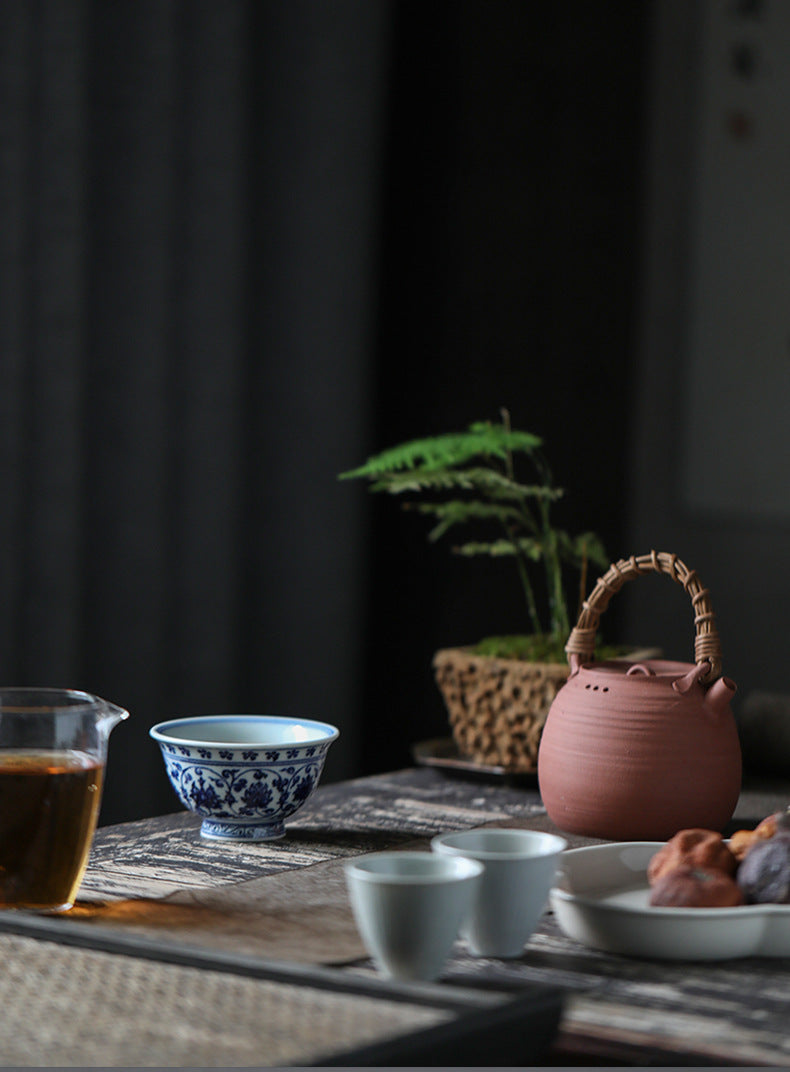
[{"x": 244, "y": 774}]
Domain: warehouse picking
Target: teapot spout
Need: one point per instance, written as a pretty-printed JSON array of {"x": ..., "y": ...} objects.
[{"x": 719, "y": 694}]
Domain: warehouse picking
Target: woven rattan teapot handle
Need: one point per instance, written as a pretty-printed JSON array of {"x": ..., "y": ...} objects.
[{"x": 581, "y": 642}]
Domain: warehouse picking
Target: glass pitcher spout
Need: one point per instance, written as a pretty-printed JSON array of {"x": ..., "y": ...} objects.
[{"x": 108, "y": 715}]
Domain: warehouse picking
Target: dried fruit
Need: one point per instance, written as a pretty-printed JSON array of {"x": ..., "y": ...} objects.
[
  {"x": 783, "y": 820},
  {"x": 691, "y": 887},
  {"x": 704, "y": 849},
  {"x": 764, "y": 873}
]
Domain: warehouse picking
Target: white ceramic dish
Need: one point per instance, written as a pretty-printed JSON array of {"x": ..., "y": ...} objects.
[{"x": 601, "y": 899}]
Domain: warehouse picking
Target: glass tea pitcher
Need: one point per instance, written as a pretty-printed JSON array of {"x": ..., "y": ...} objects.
[{"x": 53, "y": 753}]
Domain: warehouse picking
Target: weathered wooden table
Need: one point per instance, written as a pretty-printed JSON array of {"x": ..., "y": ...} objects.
[{"x": 187, "y": 952}]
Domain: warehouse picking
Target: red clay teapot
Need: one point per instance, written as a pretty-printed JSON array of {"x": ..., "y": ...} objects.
[{"x": 638, "y": 751}]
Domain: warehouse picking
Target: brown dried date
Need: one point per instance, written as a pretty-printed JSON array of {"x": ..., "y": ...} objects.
[{"x": 691, "y": 887}]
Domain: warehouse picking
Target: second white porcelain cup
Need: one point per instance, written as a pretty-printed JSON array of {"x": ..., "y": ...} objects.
[
  {"x": 408, "y": 907},
  {"x": 520, "y": 869}
]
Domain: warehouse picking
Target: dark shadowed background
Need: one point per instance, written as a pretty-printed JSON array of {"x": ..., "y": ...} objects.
[{"x": 246, "y": 243}]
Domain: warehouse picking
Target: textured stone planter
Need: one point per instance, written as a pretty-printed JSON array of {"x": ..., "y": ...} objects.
[{"x": 497, "y": 707}]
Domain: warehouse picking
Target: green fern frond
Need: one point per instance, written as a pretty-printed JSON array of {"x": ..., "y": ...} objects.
[
  {"x": 577, "y": 548},
  {"x": 533, "y": 549},
  {"x": 589, "y": 545},
  {"x": 482, "y": 440},
  {"x": 487, "y": 482},
  {"x": 447, "y": 480},
  {"x": 460, "y": 512},
  {"x": 499, "y": 440}
]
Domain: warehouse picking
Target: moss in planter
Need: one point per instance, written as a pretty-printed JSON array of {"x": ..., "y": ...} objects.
[{"x": 537, "y": 648}]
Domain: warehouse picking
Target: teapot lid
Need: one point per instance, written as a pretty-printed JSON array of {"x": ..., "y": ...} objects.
[{"x": 662, "y": 671}]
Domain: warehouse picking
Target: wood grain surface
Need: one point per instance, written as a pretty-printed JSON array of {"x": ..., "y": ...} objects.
[{"x": 158, "y": 881}]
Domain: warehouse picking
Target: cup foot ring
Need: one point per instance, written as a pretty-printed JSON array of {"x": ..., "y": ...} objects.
[{"x": 212, "y": 828}]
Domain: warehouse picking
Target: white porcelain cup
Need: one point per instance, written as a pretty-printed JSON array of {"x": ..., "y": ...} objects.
[
  {"x": 408, "y": 908},
  {"x": 520, "y": 869}
]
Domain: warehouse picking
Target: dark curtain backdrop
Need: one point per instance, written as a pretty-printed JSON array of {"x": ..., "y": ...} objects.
[
  {"x": 188, "y": 194},
  {"x": 510, "y": 277},
  {"x": 243, "y": 244}
]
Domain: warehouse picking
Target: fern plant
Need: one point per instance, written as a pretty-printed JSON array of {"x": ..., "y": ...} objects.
[{"x": 469, "y": 479}]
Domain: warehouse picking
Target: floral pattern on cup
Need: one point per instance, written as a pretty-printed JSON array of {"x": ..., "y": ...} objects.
[
  {"x": 244, "y": 790},
  {"x": 234, "y": 792}
]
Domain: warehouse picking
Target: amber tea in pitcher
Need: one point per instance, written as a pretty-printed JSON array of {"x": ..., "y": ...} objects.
[
  {"x": 49, "y": 805},
  {"x": 53, "y": 747}
]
